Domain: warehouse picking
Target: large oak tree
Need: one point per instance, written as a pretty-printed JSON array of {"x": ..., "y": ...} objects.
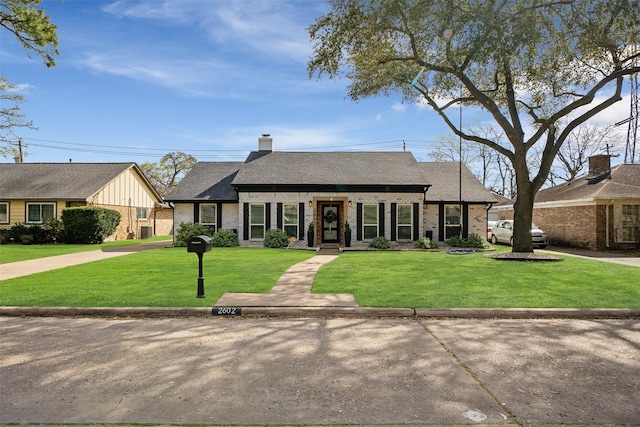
[{"x": 540, "y": 68}]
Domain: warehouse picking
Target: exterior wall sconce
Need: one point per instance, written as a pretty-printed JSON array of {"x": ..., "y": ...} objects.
[
  {"x": 349, "y": 203},
  {"x": 310, "y": 203}
]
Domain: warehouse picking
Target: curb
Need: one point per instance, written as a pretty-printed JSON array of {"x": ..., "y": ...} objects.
[{"x": 314, "y": 312}]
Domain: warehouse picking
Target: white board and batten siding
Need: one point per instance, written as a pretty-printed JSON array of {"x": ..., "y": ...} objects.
[{"x": 127, "y": 189}]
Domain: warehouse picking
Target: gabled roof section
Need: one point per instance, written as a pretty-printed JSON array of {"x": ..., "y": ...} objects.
[
  {"x": 332, "y": 168},
  {"x": 623, "y": 183},
  {"x": 444, "y": 178},
  {"x": 207, "y": 181},
  {"x": 60, "y": 181}
]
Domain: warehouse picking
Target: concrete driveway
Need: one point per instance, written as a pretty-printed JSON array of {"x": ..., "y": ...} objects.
[{"x": 320, "y": 371}]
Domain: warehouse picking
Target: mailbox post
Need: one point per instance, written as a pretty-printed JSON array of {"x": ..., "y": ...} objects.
[{"x": 199, "y": 245}]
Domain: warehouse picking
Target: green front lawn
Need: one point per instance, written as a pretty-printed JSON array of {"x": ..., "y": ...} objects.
[
  {"x": 19, "y": 252},
  {"x": 162, "y": 278},
  {"x": 168, "y": 277},
  {"x": 436, "y": 279}
]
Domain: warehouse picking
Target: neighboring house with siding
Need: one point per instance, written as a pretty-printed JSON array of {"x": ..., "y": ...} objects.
[
  {"x": 379, "y": 194},
  {"x": 598, "y": 211},
  {"x": 31, "y": 193}
]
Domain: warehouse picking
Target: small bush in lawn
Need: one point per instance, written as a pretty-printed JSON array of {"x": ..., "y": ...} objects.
[
  {"x": 275, "y": 238},
  {"x": 17, "y": 231},
  {"x": 187, "y": 230},
  {"x": 380, "y": 242},
  {"x": 225, "y": 239},
  {"x": 472, "y": 241},
  {"x": 425, "y": 243},
  {"x": 54, "y": 232}
]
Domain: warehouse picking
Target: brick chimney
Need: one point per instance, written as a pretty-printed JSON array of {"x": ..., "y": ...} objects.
[
  {"x": 599, "y": 164},
  {"x": 265, "y": 143}
]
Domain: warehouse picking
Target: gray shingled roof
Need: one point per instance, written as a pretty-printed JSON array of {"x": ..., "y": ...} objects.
[
  {"x": 57, "y": 181},
  {"x": 444, "y": 178},
  {"x": 623, "y": 184},
  {"x": 207, "y": 181},
  {"x": 330, "y": 168}
]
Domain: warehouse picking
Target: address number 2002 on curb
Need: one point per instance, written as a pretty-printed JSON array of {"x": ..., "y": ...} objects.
[{"x": 226, "y": 311}]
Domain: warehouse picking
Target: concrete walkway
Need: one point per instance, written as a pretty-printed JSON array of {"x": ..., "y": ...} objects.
[{"x": 293, "y": 289}]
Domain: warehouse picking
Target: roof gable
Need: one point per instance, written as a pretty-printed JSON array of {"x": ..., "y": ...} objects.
[{"x": 60, "y": 181}]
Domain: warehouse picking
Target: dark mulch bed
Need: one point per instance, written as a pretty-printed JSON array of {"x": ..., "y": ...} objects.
[{"x": 522, "y": 256}]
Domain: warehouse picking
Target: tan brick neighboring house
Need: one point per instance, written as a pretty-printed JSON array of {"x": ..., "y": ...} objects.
[
  {"x": 379, "y": 194},
  {"x": 598, "y": 211},
  {"x": 30, "y": 193}
]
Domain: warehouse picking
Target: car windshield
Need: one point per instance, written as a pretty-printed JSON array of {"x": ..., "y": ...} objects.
[{"x": 534, "y": 226}]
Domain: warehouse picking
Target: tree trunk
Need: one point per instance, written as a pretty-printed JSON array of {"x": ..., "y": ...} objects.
[{"x": 523, "y": 207}]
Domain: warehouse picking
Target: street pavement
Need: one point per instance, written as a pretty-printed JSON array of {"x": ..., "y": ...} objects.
[{"x": 319, "y": 371}]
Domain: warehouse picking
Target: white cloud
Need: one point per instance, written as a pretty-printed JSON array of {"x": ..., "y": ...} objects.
[{"x": 399, "y": 107}]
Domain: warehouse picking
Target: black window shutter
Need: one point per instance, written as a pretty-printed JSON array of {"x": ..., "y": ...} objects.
[
  {"x": 196, "y": 213},
  {"x": 394, "y": 221},
  {"x": 267, "y": 216},
  {"x": 279, "y": 220},
  {"x": 416, "y": 221},
  {"x": 245, "y": 221},
  {"x": 358, "y": 221},
  {"x": 301, "y": 221},
  {"x": 441, "y": 231},
  {"x": 381, "y": 229},
  {"x": 218, "y": 215},
  {"x": 465, "y": 221}
]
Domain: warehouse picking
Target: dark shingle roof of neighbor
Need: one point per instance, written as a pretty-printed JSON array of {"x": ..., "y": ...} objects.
[
  {"x": 207, "y": 181},
  {"x": 351, "y": 168},
  {"x": 57, "y": 181},
  {"x": 444, "y": 178},
  {"x": 624, "y": 183}
]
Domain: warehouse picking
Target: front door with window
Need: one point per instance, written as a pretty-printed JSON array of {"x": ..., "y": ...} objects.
[{"x": 330, "y": 223}]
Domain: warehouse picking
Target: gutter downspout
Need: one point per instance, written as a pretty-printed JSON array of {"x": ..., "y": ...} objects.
[{"x": 607, "y": 220}]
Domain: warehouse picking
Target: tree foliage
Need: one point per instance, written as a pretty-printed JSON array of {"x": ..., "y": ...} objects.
[
  {"x": 540, "y": 68},
  {"x": 10, "y": 117},
  {"x": 166, "y": 174},
  {"x": 35, "y": 32},
  {"x": 31, "y": 27}
]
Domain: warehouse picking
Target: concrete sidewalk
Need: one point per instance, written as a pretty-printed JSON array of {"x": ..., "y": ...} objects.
[{"x": 32, "y": 266}]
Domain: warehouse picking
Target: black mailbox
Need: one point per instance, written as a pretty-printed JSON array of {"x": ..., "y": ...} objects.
[{"x": 199, "y": 244}]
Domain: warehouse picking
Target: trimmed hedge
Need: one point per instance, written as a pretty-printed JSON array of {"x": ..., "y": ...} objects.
[{"x": 89, "y": 224}]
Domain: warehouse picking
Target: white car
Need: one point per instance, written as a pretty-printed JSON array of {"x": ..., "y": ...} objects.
[{"x": 502, "y": 232}]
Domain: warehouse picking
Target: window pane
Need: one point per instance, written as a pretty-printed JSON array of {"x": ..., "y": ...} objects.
[
  {"x": 452, "y": 214},
  {"x": 4, "y": 212},
  {"x": 141, "y": 213},
  {"x": 370, "y": 232},
  {"x": 291, "y": 214},
  {"x": 257, "y": 214},
  {"x": 47, "y": 212},
  {"x": 405, "y": 212},
  {"x": 207, "y": 214},
  {"x": 257, "y": 232},
  {"x": 370, "y": 214},
  {"x": 404, "y": 232},
  {"x": 291, "y": 230},
  {"x": 33, "y": 213}
]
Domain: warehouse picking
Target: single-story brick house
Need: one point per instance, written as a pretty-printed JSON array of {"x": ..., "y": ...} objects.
[
  {"x": 31, "y": 193},
  {"x": 598, "y": 211},
  {"x": 379, "y": 194}
]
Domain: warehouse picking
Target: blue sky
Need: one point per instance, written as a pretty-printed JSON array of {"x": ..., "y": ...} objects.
[{"x": 138, "y": 79}]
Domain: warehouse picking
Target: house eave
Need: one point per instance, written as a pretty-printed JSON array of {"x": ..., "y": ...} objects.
[{"x": 355, "y": 188}]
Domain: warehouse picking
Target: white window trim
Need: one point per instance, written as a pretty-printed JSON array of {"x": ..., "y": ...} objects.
[
  {"x": 618, "y": 223},
  {"x": 409, "y": 224},
  {"x": 26, "y": 213},
  {"x": 6, "y": 204},
  {"x": 252, "y": 224},
  {"x": 213, "y": 224},
  {"x": 146, "y": 212},
  {"x": 365, "y": 224},
  {"x": 297, "y": 221}
]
